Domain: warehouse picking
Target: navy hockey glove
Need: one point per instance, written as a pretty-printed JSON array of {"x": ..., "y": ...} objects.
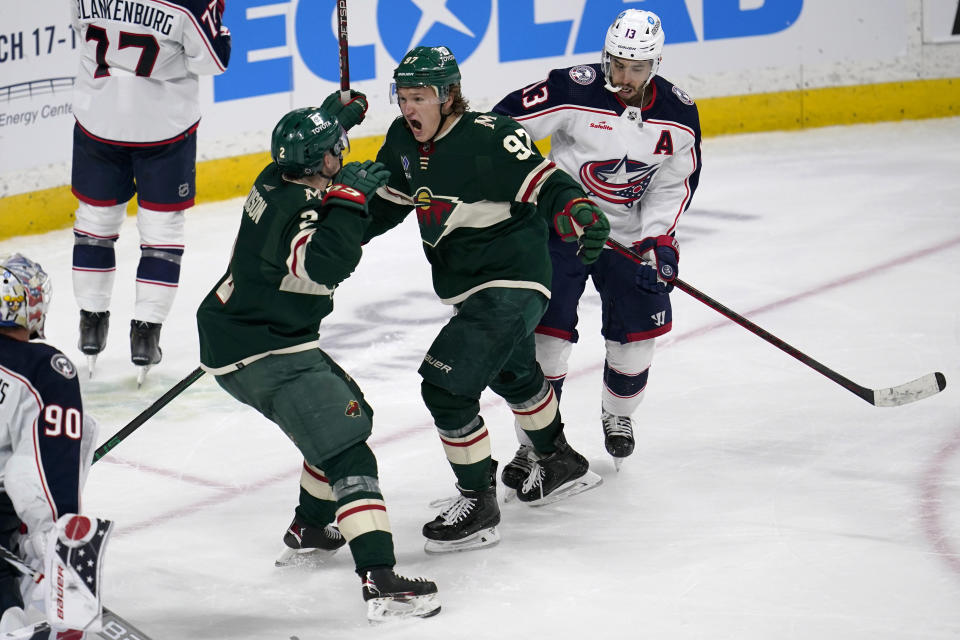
[
  {"x": 350, "y": 114},
  {"x": 659, "y": 269},
  {"x": 356, "y": 183},
  {"x": 583, "y": 221}
]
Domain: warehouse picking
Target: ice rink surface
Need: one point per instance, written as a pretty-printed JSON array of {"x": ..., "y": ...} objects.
[{"x": 763, "y": 500}]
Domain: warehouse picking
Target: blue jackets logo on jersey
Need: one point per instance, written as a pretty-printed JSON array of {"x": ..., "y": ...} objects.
[
  {"x": 62, "y": 365},
  {"x": 583, "y": 74},
  {"x": 619, "y": 181},
  {"x": 404, "y": 24}
]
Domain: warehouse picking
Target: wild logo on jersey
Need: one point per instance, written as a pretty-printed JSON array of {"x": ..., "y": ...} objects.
[
  {"x": 619, "y": 181},
  {"x": 432, "y": 213}
]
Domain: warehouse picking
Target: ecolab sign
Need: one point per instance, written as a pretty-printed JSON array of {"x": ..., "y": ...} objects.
[{"x": 260, "y": 26}]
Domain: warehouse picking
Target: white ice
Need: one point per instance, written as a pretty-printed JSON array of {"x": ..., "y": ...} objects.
[{"x": 763, "y": 500}]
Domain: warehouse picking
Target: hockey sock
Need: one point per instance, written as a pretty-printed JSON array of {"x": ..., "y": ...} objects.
[
  {"x": 95, "y": 234},
  {"x": 317, "y": 506},
  {"x": 463, "y": 434},
  {"x": 361, "y": 512},
  {"x": 625, "y": 373},
  {"x": 468, "y": 451},
  {"x": 158, "y": 272},
  {"x": 539, "y": 417}
]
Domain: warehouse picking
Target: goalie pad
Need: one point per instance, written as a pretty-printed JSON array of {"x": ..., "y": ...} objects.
[{"x": 72, "y": 568}]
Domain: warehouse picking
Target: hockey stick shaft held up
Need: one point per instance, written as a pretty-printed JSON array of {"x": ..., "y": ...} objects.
[{"x": 344, "y": 51}]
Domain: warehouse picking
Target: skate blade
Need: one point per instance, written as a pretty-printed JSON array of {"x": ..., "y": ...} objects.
[
  {"x": 91, "y": 365},
  {"x": 380, "y": 610},
  {"x": 587, "y": 481},
  {"x": 617, "y": 463},
  {"x": 303, "y": 558},
  {"x": 142, "y": 374},
  {"x": 483, "y": 538}
]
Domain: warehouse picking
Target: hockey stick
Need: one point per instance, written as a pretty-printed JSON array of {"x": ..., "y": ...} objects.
[
  {"x": 114, "y": 627},
  {"x": 147, "y": 413},
  {"x": 344, "y": 51},
  {"x": 908, "y": 392}
]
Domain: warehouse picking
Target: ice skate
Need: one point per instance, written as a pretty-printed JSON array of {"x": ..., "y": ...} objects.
[
  {"x": 390, "y": 597},
  {"x": 517, "y": 470},
  {"x": 144, "y": 347},
  {"x": 617, "y": 436},
  {"x": 309, "y": 546},
  {"x": 557, "y": 475},
  {"x": 470, "y": 522},
  {"x": 93, "y": 335},
  {"x": 443, "y": 503}
]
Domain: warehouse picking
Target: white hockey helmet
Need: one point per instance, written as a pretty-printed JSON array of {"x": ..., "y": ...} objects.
[
  {"x": 24, "y": 294},
  {"x": 634, "y": 35}
]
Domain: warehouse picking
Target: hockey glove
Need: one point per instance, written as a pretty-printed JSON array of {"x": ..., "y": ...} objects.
[
  {"x": 350, "y": 114},
  {"x": 583, "y": 221},
  {"x": 659, "y": 269},
  {"x": 356, "y": 183}
]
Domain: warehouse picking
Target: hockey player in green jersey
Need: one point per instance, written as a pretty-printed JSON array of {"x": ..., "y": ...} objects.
[
  {"x": 299, "y": 238},
  {"x": 484, "y": 196}
]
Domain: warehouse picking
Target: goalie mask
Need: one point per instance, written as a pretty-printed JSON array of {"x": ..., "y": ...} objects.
[
  {"x": 634, "y": 35},
  {"x": 426, "y": 67},
  {"x": 302, "y": 138},
  {"x": 24, "y": 294}
]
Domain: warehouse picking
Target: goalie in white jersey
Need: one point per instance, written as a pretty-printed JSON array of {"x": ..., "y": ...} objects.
[
  {"x": 46, "y": 448},
  {"x": 633, "y": 140},
  {"x": 136, "y": 101}
]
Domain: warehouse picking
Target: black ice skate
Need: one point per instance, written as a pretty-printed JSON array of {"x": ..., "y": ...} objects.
[
  {"x": 557, "y": 475},
  {"x": 309, "y": 546},
  {"x": 617, "y": 436},
  {"x": 389, "y": 596},
  {"x": 93, "y": 335},
  {"x": 470, "y": 522},
  {"x": 517, "y": 470},
  {"x": 144, "y": 346}
]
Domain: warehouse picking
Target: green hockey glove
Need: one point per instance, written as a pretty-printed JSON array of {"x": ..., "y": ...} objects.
[
  {"x": 356, "y": 183},
  {"x": 350, "y": 114},
  {"x": 585, "y": 222}
]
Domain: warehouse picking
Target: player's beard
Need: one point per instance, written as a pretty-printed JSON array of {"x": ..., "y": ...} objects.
[{"x": 635, "y": 97}]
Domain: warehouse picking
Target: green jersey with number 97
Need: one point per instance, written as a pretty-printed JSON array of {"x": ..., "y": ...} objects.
[{"x": 483, "y": 196}]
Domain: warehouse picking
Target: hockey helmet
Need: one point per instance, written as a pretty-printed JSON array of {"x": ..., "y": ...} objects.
[
  {"x": 301, "y": 139},
  {"x": 634, "y": 35},
  {"x": 24, "y": 294},
  {"x": 426, "y": 67}
]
